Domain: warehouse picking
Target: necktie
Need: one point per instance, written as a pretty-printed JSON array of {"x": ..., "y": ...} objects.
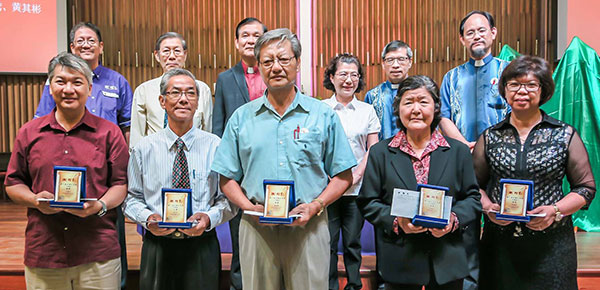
[{"x": 181, "y": 176}]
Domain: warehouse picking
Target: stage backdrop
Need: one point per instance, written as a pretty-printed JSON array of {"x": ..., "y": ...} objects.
[{"x": 129, "y": 29}]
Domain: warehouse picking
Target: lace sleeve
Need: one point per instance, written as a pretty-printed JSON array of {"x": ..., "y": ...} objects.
[
  {"x": 480, "y": 162},
  {"x": 579, "y": 171}
]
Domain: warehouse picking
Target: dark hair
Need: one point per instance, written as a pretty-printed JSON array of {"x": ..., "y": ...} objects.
[
  {"x": 395, "y": 45},
  {"x": 86, "y": 25},
  {"x": 245, "y": 21},
  {"x": 523, "y": 65},
  {"x": 167, "y": 35},
  {"x": 485, "y": 14},
  {"x": 331, "y": 69},
  {"x": 413, "y": 83}
]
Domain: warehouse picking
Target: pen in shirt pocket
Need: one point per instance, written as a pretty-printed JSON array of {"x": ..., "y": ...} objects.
[{"x": 194, "y": 173}]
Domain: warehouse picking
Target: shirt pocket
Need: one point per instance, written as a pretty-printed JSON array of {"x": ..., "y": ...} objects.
[
  {"x": 200, "y": 189},
  {"x": 108, "y": 105},
  {"x": 308, "y": 149}
]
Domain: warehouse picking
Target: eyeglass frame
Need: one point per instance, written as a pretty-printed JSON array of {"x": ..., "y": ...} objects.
[
  {"x": 164, "y": 52},
  {"x": 401, "y": 60},
  {"x": 271, "y": 62},
  {"x": 82, "y": 41},
  {"x": 481, "y": 31},
  {"x": 522, "y": 85},
  {"x": 354, "y": 78},
  {"x": 172, "y": 94}
]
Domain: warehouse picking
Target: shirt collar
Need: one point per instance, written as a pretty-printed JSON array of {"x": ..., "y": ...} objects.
[
  {"x": 188, "y": 138},
  {"x": 401, "y": 142},
  {"x": 337, "y": 105},
  {"x": 87, "y": 120},
  {"x": 390, "y": 85},
  {"x": 245, "y": 67},
  {"x": 96, "y": 73},
  {"x": 263, "y": 103},
  {"x": 482, "y": 62},
  {"x": 545, "y": 119}
]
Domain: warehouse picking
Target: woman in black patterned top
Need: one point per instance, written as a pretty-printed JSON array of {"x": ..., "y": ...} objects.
[{"x": 529, "y": 144}]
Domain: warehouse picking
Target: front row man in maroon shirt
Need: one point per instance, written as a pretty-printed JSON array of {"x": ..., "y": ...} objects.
[{"x": 70, "y": 248}]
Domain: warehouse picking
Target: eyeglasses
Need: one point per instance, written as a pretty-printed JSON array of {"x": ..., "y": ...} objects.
[
  {"x": 283, "y": 61},
  {"x": 354, "y": 76},
  {"x": 90, "y": 41},
  {"x": 167, "y": 52},
  {"x": 471, "y": 33},
  {"x": 392, "y": 60},
  {"x": 176, "y": 94},
  {"x": 516, "y": 86}
]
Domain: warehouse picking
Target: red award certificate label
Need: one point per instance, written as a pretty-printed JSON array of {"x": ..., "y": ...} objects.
[
  {"x": 175, "y": 207},
  {"x": 432, "y": 202},
  {"x": 68, "y": 186}
]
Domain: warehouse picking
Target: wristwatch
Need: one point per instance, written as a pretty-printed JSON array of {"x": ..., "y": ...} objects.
[
  {"x": 320, "y": 201},
  {"x": 557, "y": 215},
  {"x": 102, "y": 211}
]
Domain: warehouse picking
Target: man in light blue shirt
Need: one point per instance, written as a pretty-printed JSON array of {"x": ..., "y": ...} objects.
[
  {"x": 284, "y": 135},
  {"x": 396, "y": 62},
  {"x": 182, "y": 258}
]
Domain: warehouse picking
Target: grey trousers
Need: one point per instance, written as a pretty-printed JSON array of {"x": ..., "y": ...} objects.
[{"x": 279, "y": 256}]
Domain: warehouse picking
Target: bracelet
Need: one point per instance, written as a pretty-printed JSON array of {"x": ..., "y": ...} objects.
[{"x": 320, "y": 201}]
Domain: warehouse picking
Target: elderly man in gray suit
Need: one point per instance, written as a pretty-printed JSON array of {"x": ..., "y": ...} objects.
[{"x": 236, "y": 86}]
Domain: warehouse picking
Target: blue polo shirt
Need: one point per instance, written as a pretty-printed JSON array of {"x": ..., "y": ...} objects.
[
  {"x": 110, "y": 98},
  {"x": 306, "y": 144}
]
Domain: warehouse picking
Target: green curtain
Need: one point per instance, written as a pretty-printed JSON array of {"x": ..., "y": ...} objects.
[
  {"x": 508, "y": 53},
  {"x": 576, "y": 101}
]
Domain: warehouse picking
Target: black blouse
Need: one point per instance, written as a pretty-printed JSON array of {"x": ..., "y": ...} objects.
[{"x": 551, "y": 150}]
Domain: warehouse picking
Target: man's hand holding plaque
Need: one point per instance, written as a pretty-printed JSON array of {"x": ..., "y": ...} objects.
[
  {"x": 152, "y": 226},
  {"x": 202, "y": 222}
]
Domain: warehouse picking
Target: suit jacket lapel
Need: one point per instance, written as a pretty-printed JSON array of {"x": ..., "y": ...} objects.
[
  {"x": 437, "y": 166},
  {"x": 402, "y": 164},
  {"x": 240, "y": 79}
]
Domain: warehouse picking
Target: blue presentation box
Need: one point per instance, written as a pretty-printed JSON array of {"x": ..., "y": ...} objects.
[
  {"x": 517, "y": 199},
  {"x": 280, "y": 199},
  {"x": 177, "y": 208},
  {"x": 69, "y": 187},
  {"x": 434, "y": 208}
]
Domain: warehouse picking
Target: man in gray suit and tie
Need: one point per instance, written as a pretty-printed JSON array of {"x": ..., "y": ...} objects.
[{"x": 236, "y": 86}]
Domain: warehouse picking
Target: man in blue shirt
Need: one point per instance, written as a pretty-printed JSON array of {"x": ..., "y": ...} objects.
[
  {"x": 471, "y": 103},
  {"x": 284, "y": 135},
  {"x": 469, "y": 92},
  {"x": 110, "y": 99},
  {"x": 396, "y": 62},
  {"x": 111, "y": 94}
]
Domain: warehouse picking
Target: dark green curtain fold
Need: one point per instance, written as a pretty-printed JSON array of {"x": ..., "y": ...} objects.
[{"x": 576, "y": 101}]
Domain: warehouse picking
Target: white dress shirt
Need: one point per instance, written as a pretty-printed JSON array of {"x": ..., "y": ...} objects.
[
  {"x": 151, "y": 169},
  {"x": 148, "y": 117},
  {"x": 359, "y": 120}
]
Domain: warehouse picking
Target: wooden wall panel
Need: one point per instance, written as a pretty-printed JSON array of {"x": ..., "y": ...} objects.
[
  {"x": 130, "y": 28},
  {"x": 430, "y": 27}
]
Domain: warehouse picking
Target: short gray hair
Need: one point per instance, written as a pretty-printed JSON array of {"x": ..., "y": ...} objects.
[
  {"x": 164, "y": 82},
  {"x": 168, "y": 35},
  {"x": 396, "y": 45},
  {"x": 279, "y": 34},
  {"x": 71, "y": 61}
]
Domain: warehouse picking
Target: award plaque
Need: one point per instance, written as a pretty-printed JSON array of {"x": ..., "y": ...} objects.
[
  {"x": 517, "y": 199},
  {"x": 69, "y": 187},
  {"x": 431, "y": 211},
  {"x": 279, "y": 200},
  {"x": 177, "y": 208}
]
